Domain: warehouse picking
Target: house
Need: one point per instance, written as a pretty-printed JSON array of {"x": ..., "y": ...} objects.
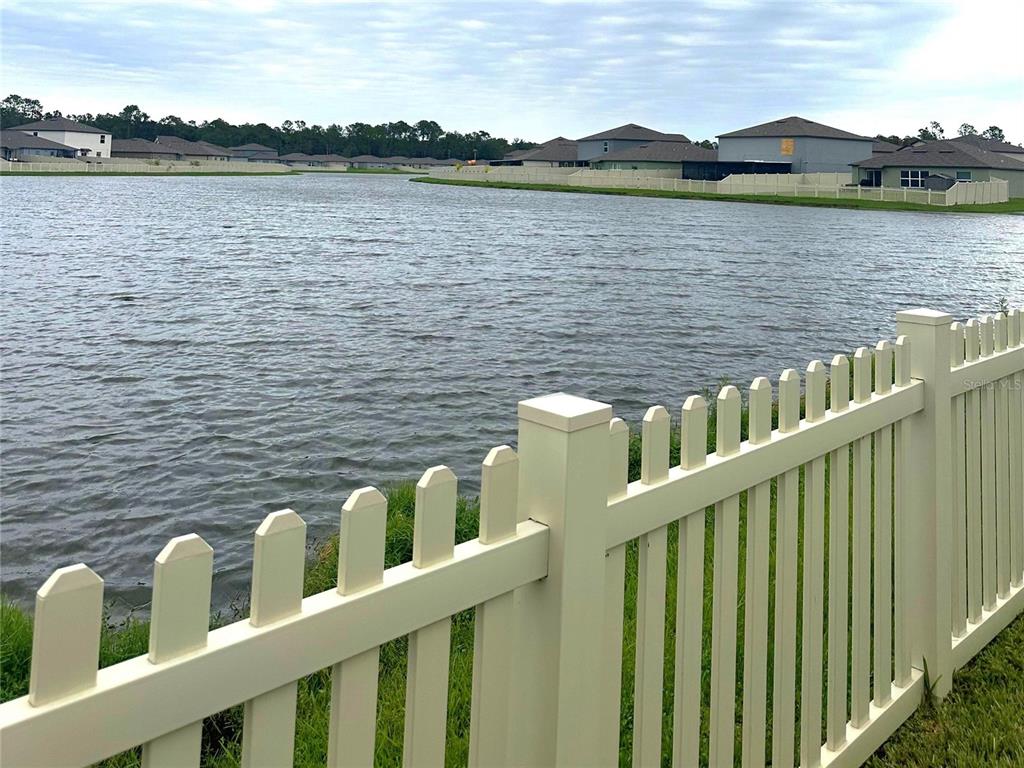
[
  {"x": 254, "y": 153},
  {"x": 559, "y": 152},
  {"x": 806, "y": 146},
  {"x": 623, "y": 137},
  {"x": 690, "y": 160},
  {"x": 884, "y": 147},
  {"x": 141, "y": 149},
  {"x": 87, "y": 139},
  {"x": 368, "y": 161},
  {"x": 298, "y": 158},
  {"x": 1012, "y": 151},
  {"x": 951, "y": 160},
  {"x": 202, "y": 151},
  {"x": 331, "y": 161},
  {"x": 27, "y": 147}
]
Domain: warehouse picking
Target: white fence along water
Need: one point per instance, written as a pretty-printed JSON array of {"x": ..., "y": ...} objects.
[
  {"x": 834, "y": 186},
  {"x": 924, "y": 460}
]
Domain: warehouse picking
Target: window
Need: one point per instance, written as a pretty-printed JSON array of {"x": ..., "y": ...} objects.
[
  {"x": 606, "y": 146},
  {"x": 963, "y": 175},
  {"x": 103, "y": 139},
  {"x": 912, "y": 178},
  {"x": 873, "y": 178}
]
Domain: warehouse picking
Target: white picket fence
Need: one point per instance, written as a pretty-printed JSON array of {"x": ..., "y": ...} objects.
[{"x": 929, "y": 450}]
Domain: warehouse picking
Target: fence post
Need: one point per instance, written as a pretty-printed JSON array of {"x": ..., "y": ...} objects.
[
  {"x": 556, "y": 707},
  {"x": 929, "y": 499}
]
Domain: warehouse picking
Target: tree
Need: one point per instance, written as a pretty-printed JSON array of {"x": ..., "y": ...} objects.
[
  {"x": 16, "y": 110},
  {"x": 966, "y": 129},
  {"x": 994, "y": 132},
  {"x": 933, "y": 132},
  {"x": 707, "y": 144}
]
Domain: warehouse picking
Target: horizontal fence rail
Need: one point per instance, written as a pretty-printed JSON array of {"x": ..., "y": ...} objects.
[{"x": 887, "y": 487}]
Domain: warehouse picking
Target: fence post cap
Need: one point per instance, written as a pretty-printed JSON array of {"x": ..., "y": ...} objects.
[
  {"x": 923, "y": 317},
  {"x": 566, "y": 413}
]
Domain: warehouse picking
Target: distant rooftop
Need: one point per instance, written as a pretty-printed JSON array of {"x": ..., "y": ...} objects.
[
  {"x": 17, "y": 140},
  {"x": 140, "y": 145},
  {"x": 634, "y": 132},
  {"x": 662, "y": 151},
  {"x": 792, "y": 127},
  {"x": 884, "y": 146},
  {"x": 58, "y": 124},
  {"x": 254, "y": 148},
  {"x": 186, "y": 147},
  {"x": 943, "y": 154},
  {"x": 992, "y": 145},
  {"x": 557, "y": 150}
]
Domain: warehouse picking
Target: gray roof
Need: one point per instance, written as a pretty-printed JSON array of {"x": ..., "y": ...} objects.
[
  {"x": 992, "y": 145},
  {"x": 634, "y": 132},
  {"x": 557, "y": 150},
  {"x": 943, "y": 154},
  {"x": 662, "y": 152},
  {"x": 329, "y": 158},
  {"x": 396, "y": 159},
  {"x": 58, "y": 124},
  {"x": 296, "y": 156},
  {"x": 792, "y": 127},
  {"x": 366, "y": 159},
  {"x": 254, "y": 148},
  {"x": 17, "y": 140},
  {"x": 884, "y": 146},
  {"x": 186, "y": 147},
  {"x": 140, "y": 145}
]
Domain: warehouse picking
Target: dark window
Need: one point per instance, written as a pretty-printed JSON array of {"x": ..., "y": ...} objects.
[{"x": 103, "y": 139}]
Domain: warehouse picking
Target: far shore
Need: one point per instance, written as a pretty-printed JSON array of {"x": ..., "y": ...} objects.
[
  {"x": 165, "y": 174},
  {"x": 1015, "y": 206}
]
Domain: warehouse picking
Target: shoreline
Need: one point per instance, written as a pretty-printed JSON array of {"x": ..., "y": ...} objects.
[{"x": 1014, "y": 206}]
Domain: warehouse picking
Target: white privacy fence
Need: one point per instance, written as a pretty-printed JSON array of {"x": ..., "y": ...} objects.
[
  {"x": 915, "y": 468},
  {"x": 834, "y": 186}
]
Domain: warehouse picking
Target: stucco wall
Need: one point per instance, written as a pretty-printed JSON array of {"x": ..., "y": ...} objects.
[
  {"x": 590, "y": 150},
  {"x": 97, "y": 144},
  {"x": 810, "y": 155}
]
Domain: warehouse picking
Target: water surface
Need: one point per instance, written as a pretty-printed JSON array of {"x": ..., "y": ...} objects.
[{"x": 188, "y": 354}]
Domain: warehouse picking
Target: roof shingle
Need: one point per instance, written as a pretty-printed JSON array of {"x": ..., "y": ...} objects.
[
  {"x": 58, "y": 124},
  {"x": 634, "y": 132},
  {"x": 792, "y": 127}
]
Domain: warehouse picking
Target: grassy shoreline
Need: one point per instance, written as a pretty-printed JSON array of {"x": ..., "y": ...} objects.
[
  {"x": 1012, "y": 206},
  {"x": 979, "y": 721}
]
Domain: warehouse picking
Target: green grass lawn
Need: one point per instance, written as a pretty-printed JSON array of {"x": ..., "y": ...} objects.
[
  {"x": 979, "y": 724},
  {"x": 1011, "y": 206}
]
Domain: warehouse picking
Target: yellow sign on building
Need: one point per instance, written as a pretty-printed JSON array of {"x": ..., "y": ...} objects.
[{"x": 786, "y": 147}]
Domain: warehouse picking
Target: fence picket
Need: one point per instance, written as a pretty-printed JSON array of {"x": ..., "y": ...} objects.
[
  {"x": 179, "y": 623},
  {"x": 755, "y": 624},
  {"x": 426, "y": 694},
  {"x": 690, "y": 597},
  {"x": 1016, "y": 470},
  {"x": 493, "y": 627},
  {"x": 988, "y": 476},
  {"x": 972, "y": 483},
  {"x": 787, "y": 520},
  {"x": 901, "y": 460},
  {"x": 614, "y": 591},
  {"x": 883, "y": 537},
  {"x": 1001, "y": 458},
  {"x": 838, "y": 566},
  {"x": 353, "y": 719},
  {"x": 726, "y": 563},
  {"x": 958, "y": 592},
  {"x": 814, "y": 579},
  {"x": 66, "y": 634},
  {"x": 268, "y": 730},
  {"x": 860, "y": 670},
  {"x": 650, "y": 610}
]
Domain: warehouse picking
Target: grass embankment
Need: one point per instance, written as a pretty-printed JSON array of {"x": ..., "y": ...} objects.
[
  {"x": 1011, "y": 206},
  {"x": 979, "y": 724}
]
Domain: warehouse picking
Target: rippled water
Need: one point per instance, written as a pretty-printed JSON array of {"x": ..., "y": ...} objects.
[{"x": 189, "y": 354}]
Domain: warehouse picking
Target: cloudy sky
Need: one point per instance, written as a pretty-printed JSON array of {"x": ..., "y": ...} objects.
[{"x": 527, "y": 69}]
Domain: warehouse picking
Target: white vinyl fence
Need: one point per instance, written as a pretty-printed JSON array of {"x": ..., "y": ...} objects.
[
  {"x": 833, "y": 186},
  {"x": 924, "y": 462}
]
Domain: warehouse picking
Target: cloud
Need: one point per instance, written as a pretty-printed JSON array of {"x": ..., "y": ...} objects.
[{"x": 473, "y": 24}]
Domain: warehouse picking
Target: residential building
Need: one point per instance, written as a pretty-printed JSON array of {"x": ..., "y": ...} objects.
[
  {"x": 298, "y": 158},
  {"x": 332, "y": 161},
  {"x": 884, "y": 147},
  {"x": 938, "y": 164},
  {"x": 559, "y": 152},
  {"x": 87, "y": 139},
  {"x": 624, "y": 137},
  {"x": 141, "y": 149},
  {"x": 804, "y": 145},
  {"x": 202, "y": 151},
  {"x": 26, "y": 147},
  {"x": 254, "y": 153},
  {"x": 690, "y": 160},
  {"x": 1012, "y": 151}
]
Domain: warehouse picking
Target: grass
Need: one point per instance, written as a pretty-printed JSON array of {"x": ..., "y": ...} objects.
[
  {"x": 978, "y": 724},
  {"x": 1011, "y": 206}
]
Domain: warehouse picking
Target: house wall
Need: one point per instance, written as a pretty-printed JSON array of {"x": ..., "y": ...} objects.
[
  {"x": 891, "y": 176},
  {"x": 98, "y": 144},
  {"x": 810, "y": 155},
  {"x": 587, "y": 150}
]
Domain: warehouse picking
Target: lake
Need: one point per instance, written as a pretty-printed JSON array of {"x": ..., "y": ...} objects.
[{"x": 188, "y": 354}]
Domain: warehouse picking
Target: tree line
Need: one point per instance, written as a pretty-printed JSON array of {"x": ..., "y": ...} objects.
[
  {"x": 935, "y": 132},
  {"x": 424, "y": 138}
]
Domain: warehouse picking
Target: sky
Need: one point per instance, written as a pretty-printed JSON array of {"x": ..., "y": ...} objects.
[{"x": 531, "y": 70}]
